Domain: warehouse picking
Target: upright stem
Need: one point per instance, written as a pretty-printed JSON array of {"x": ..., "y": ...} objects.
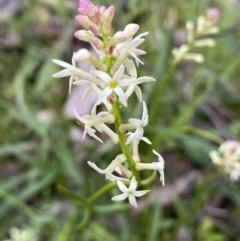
[{"x": 122, "y": 141}]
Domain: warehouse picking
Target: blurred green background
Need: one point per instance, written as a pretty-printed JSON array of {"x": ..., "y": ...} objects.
[{"x": 40, "y": 146}]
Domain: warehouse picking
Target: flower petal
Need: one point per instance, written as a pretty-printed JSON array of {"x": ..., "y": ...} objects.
[
  {"x": 138, "y": 93},
  {"x": 145, "y": 111},
  {"x": 132, "y": 200},
  {"x": 102, "y": 75},
  {"x": 159, "y": 156},
  {"x": 95, "y": 167},
  {"x": 81, "y": 119},
  {"x": 96, "y": 138},
  {"x": 120, "y": 197},
  {"x": 121, "y": 95},
  {"x": 127, "y": 82},
  {"x": 122, "y": 186},
  {"x": 62, "y": 73},
  {"x": 140, "y": 193},
  {"x": 133, "y": 184},
  {"x": 145, "y": 79},
  {"x": 145, "y": 139},
  {"x": 106, "y": 92},
  {"x": 119, "y": 73},
  {"x": 62, "y": 63},
  {"x": 86, "y": 93},
  {"x": 135, "y": 122}
]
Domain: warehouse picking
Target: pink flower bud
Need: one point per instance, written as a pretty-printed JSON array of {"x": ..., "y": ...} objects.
[
  {"x": 109, "y": 14},
  {"x": 102, "y": 9},
  {"x": 95, "y": 30},
  {"x": 84, "y": 21},
  {"x": 131, "y": 29},
  {"x": 88, "y": 24},
  {"x": 84, "y": 35},
  {"x": 118, "y": 37},
  {"x": 88, "y": 37},
  {"x": 213, "y": 14},
  {"x": 97, "y": 43},
  {"x": 84, "y": 6}
]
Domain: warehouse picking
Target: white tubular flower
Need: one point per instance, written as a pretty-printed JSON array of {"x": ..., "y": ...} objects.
[
  {"x": 95, "y": 88},
  {"x": 128, "y": 48},
  {"x": 157, "y": 166},
  {"x": 89, "y": 121},
  {"x": 104, "y": 128},
  {"x": 73, "y": 71},
  {"x": 131, "y": 69},
  {"x": 130, "y": 192},
  {"x": 114, "y": 84},
  {"x": 138, "y": 125},
  {"x": 114, "y": 166}
]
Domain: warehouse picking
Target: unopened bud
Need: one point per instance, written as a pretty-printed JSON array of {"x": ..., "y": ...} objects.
[
  {"x": 205, "y": 42},
  {"x": 102, "y": 9},
  {"x": 213, "y": 15},
  {"x": 88, "y": 24},
  {"x": 88, "y": 37},
  {"x": 190, "y": 30},
  {"x": 109, "y": 14},
  {"x": 201, "y": 25},
  {"x": 131, "y": 29},
  {"x": 84, "y": 21},
  {"x": 118, "y": 37},
  {"x": 82, "y": 55},
  {"x": 195, "y": 57}
]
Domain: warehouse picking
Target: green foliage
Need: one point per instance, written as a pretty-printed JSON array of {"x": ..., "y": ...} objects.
[{"x": 38, "y": 160}]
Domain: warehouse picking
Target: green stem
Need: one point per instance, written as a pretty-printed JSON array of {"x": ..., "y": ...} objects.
[
  {"x": 85, "y": 219},
  {"x": 159, "y": 94},
  {"x": 122, "y": 141},
  {"x": 71, "y": 194},
  {"x": 101, "y": 192}
]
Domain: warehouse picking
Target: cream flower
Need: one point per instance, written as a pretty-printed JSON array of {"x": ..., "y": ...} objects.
[
  {"x": 138, "y": 125},
  {"x": 72, "y": 71},
  {"x": 131, "y": 69},
  {"x": 129, "y": 192},
  {"x": 93, "y": 120},
  {"x": 114, "y": 84},
  {"x": 114, "y": 166}
]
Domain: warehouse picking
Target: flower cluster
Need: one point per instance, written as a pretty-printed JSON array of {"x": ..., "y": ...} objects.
[
  {"x": 198, "y": 35},
  {"x": 20, "y": 235},
  {"x": 228, "y": 158},
  {"x": 113, "y": 77}
]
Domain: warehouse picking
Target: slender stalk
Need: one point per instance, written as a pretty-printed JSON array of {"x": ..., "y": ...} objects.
[
  {"x": 101, "y": 192},
  {"x": 122, "y": 141},
  {"x": 159, "y": 93}
]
